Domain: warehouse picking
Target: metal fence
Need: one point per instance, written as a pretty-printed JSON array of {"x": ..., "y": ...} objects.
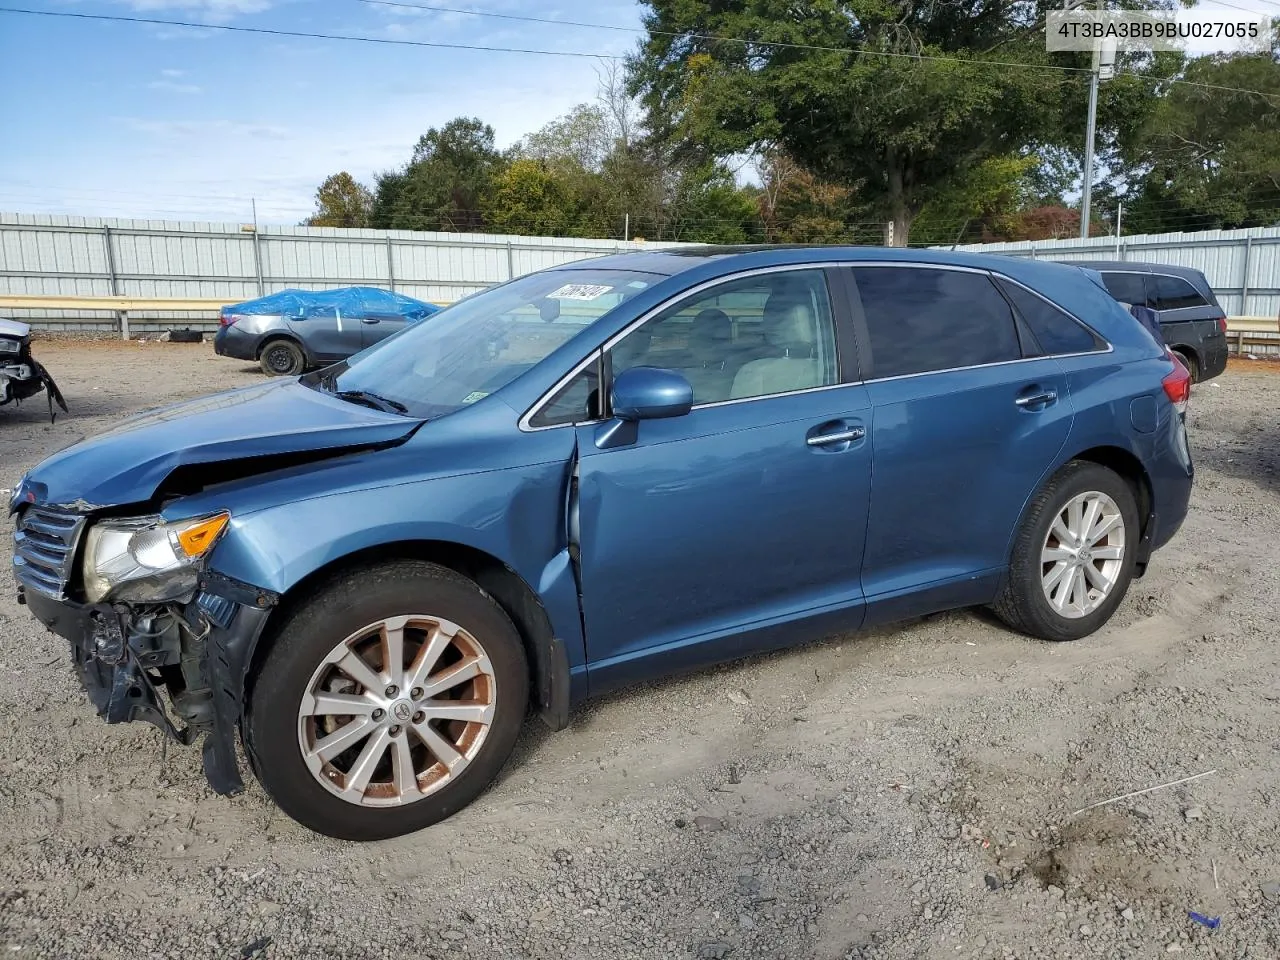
[
  {"x": 85, "y": 256},
  {"x": 1242, "y": 266},
  {"x": 88, "y": 256}
]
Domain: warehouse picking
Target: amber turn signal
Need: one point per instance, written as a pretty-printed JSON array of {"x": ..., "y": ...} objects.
[{"x": 199, "y": 537}]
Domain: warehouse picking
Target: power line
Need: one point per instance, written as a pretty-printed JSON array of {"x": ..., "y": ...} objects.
[
  {"x": 1217, "y": 86},
  {"x": 1223, "y": 3},
  {"x": 267, "y": 31},
  {"x": 861, "y": 51}
]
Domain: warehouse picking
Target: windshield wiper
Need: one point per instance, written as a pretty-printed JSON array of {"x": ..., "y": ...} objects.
[{"x": 371, "y": 400}]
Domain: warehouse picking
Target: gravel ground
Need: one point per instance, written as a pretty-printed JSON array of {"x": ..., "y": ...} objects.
[{"x": 904, "y": 793}]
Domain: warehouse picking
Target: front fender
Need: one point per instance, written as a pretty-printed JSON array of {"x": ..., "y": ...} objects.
[{"x": 513, "y": 515}]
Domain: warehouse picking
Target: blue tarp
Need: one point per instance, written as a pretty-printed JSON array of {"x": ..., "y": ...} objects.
[{"x": 345, "y": 301}]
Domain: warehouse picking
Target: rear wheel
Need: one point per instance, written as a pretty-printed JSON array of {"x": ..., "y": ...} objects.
[
  {"x": 282, "y": 358},
  {"x": 387, "y": 702},
  {"x": 1074, "y": 555}
]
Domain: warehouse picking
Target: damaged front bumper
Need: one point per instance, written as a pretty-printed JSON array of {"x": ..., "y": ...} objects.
[{"x": 129, "y": 656}]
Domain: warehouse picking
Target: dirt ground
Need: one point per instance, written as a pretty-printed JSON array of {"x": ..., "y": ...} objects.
[{"x": 905, "y": 793}]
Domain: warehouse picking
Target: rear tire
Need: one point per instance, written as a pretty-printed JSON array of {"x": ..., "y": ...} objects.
[
  {"x": 1191, "y": 363},
  {"x": 1061, "y": 586},
  {"x": 282, "y": 358},
  {"x": 408, "y": 746}
]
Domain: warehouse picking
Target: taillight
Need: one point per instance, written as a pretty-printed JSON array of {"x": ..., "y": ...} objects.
[
  {"x": 1222, "y": 325},
  {"x": 226, "y": 319},
  {"x": 1177, "y": 384}
]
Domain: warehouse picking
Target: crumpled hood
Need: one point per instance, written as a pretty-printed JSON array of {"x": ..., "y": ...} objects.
[{"x": 128, "y": 463}]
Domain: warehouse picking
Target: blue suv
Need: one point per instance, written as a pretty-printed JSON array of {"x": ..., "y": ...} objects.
[{"x": 600, "y": 473}]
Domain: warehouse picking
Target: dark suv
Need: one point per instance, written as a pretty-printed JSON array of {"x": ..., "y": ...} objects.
[{"x": 1192, "y": 321}]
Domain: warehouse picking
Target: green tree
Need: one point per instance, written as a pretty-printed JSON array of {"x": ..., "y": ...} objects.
[
  {"x": 581, "y": 139},
  {"x": 862, "y": 107},
  {"x": 446, "y": 184},
  {"x": 341, "y": 202},
  {"x": 982, "y": 204},
  {"x": 1210, "y": 157},
  {"x": 709, "y": 207},
  {"x": 531, "y": 197}
]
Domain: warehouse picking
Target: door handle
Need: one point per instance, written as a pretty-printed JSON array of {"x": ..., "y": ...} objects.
[
  {"x": 843, "y": 436},
  {"x": 1038, "y": 399},
  {"x": 369, "y": 320}
]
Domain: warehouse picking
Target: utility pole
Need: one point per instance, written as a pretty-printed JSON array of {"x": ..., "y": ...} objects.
[
  {"x": 1086, "y": 193},
  {"x": 1119, "y": 218},
  {"x": 1104, "y": 65}
]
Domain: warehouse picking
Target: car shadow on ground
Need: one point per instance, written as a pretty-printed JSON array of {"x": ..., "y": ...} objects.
[
  {"x": 691, "y": 685},
  {"x": 1251, "y": 453},
  {"x": 35, "y": 411}
]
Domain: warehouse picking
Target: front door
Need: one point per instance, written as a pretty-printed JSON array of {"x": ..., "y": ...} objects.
[
  {"x": 329, "y": 335},
  {"x": 710, "y": 534},
  {"x": 376, "y": 327}
]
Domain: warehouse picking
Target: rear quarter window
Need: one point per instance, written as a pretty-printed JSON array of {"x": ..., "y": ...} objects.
[
  {"x": 1174, "y": 293},
  {"x": 1054, "y": 330},
  {"x": 1126, "y": 287}
]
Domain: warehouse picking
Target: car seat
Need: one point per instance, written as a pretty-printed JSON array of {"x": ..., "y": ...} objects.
[
  {"x": 789, "y": 328},
  {"x": 710, "y": 368}
]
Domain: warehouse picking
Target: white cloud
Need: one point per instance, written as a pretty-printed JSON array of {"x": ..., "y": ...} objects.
[
  {"x": 171, "y": 87},
  {"x": 198, "y": 131},
  {"x": 174, "y": 74},
  {"x": 215, "y": 11}
]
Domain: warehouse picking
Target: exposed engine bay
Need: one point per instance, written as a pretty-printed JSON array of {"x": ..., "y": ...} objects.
[{"x": 21, "y": 375}]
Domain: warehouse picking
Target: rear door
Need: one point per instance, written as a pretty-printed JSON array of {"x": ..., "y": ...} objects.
[{"x": 967, "y": 420}]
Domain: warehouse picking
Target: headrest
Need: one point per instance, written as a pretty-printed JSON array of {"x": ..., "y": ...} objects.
[
  {"x": 713, "y": 324},
  {"x": 788, "y": 320}
]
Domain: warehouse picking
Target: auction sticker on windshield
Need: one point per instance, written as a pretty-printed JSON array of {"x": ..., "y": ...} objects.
[{"x": 579, "y": 291}]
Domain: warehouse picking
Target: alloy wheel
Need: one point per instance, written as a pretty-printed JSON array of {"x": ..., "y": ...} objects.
[
  {"x": 397, "y": 710},
  {"x": 1083, "y": 554}
]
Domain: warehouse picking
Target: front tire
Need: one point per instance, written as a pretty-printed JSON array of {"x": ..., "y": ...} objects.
[
  {"x": 1074, "y": 555},
  {"x": 387, "y": 702}
]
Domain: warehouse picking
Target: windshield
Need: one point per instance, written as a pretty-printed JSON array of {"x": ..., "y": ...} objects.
[{"x": 480, "y": 344}]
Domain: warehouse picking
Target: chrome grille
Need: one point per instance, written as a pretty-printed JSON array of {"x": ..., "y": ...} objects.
[{"x": 44, "y": 549}]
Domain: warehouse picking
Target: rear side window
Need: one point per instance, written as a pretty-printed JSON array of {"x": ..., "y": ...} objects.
[
  {"x": 1126, "y": 287},
  {"x": 922, "y": 319},
  {"x": 1174, "y": 293},
  {"x": 1054, "y": 330}
]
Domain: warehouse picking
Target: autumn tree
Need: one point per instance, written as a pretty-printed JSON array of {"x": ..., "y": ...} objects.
[{"x": 341, "y": 202}]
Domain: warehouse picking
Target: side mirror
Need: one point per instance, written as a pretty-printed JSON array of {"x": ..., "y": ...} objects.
[{"x": 650, "y": 393}]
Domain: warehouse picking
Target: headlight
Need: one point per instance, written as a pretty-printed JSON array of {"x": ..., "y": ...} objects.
[{"x": 146, "y": 559}]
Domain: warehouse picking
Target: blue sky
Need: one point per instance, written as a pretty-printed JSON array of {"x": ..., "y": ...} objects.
[
  {"x": 115, "y": 119},
  {"x": 128, "y": 120}
]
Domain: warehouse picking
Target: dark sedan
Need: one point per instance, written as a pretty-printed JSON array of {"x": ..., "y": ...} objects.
[{"x": 292, "y": 331}]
